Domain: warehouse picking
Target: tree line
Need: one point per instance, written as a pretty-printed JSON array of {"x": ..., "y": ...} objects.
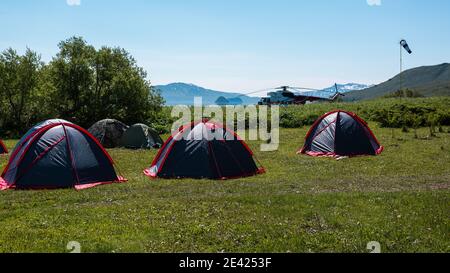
[{"x": 81, "y": 84}]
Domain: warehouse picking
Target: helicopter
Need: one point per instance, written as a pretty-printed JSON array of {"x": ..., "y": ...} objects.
[{"x": 286, "y": 95}]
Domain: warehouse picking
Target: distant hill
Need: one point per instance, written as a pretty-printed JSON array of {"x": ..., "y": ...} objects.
[
  {"x": 222, "y": 101},
  {"x": 429, "y": 81},
  {"x": 183, "y": 94}
]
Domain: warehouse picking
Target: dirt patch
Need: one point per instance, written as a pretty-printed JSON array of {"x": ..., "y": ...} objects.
[{"x": 441, "y": 186}]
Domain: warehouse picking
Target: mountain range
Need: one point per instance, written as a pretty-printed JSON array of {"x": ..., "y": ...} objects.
[
  {"x": 342, "y": 88},
  {"x": 184, "y": 93},
  {"x": 428, "y": 81}
]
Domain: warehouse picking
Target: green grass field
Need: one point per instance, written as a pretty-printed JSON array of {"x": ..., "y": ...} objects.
[{"x": 400, "y": 199}]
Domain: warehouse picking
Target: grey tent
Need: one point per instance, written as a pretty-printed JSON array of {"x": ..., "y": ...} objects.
[
  {"x": 340, "y": 133},
  {"x": 58, "y": 154},
  {"x": 140, "y": 136},
  {"x": 204, "y": 150},
  {"x": 108, "y": 132}
]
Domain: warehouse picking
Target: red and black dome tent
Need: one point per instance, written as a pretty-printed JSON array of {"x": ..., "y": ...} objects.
[
  {"x": 341, "y": 133},
  {"x": 204, "y": 150},
  {"x": 58, "y": 154},
  {"x": 3, "y": 149}
]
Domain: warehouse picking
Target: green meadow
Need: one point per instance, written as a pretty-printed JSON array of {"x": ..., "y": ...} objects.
[{"x": 400, "y": 199}]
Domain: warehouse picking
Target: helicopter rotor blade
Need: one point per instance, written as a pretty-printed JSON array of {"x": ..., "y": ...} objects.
[
  {"x": 256, "y": 92},
  {"x": 306, "y": 88}
]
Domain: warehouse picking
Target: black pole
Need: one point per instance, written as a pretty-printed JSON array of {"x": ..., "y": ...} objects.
[{"x": 401, "y": 71}]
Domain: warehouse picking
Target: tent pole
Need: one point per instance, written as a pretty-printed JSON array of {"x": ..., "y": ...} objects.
[{"x": 71, "y": 157}]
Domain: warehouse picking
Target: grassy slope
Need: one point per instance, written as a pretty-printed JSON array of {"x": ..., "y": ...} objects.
[
  {"x": 302, "y": 204},
  {"x": 427, "y": 80}
]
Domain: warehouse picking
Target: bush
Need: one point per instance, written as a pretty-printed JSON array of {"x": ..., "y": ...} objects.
[{"x": 389, "y": 113}]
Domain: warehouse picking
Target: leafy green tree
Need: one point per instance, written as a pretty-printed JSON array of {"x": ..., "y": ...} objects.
[
  {"x": 72, "y": 76},
  {"x": 96, "y": 84},
  {"x": 19, "y": 80}
]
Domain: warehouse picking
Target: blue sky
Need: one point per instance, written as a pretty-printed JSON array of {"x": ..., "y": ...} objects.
[{"x": 242, "y": 45}]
